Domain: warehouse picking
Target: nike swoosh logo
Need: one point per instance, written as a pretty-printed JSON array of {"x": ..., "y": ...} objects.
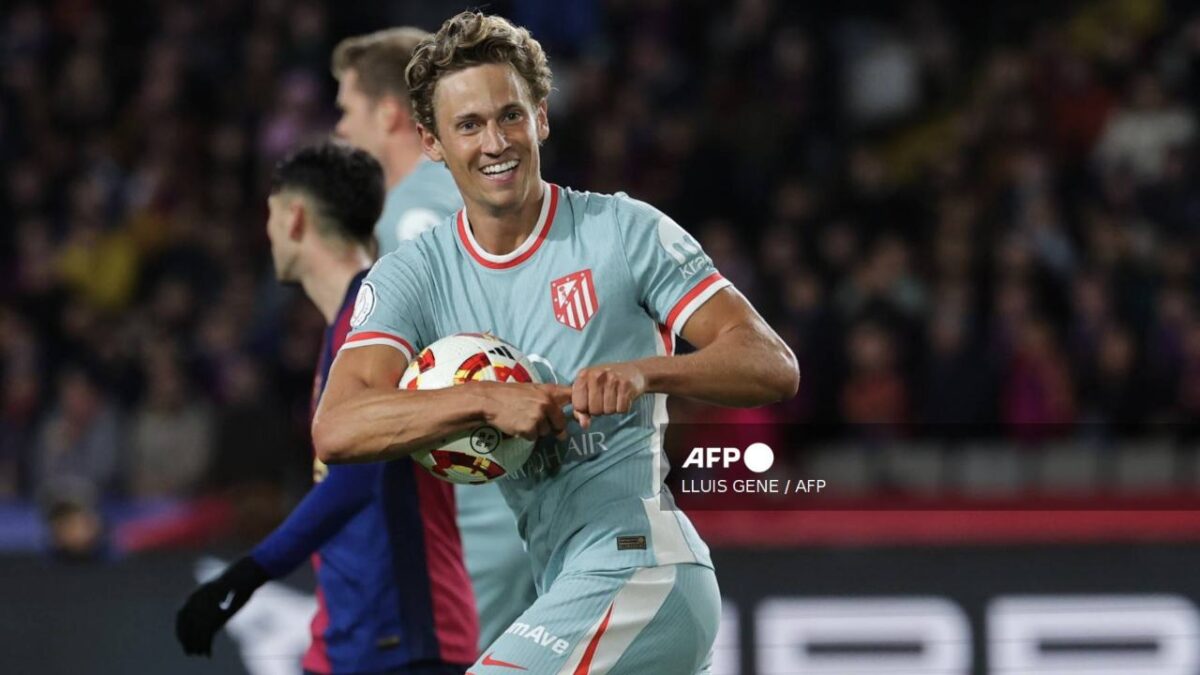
[
  {"x": 489, "y": 661},
  {"x": 227, "y": 602}
]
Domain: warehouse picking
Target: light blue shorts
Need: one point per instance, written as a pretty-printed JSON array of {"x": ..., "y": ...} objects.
[
  {"x": 659, "y": 620},
  {"x": 500, "y": 570}
]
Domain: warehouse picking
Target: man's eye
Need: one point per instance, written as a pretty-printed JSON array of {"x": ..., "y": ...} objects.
[
  {"x": 467, "y": 126},
  {"x": 512, "y": 115}
]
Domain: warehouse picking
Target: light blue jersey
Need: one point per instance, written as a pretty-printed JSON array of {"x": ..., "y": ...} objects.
[
  {"x": 602, "y": 278},
  {"x": 495, "y": 557},
  {"x": 422, "y": 200}
]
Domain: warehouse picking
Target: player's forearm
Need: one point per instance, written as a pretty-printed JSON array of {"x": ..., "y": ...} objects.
[
  {"x": 323, "y": 512},
  {"x": 374, "y": 425},
  {"x": 743, "y": 367}
]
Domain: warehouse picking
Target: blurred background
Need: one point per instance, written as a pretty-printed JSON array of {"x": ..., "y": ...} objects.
[{"x": 976, "y": 224}]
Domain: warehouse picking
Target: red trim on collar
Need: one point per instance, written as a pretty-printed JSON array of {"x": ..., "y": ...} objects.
[{"x": 541, "y": 236}]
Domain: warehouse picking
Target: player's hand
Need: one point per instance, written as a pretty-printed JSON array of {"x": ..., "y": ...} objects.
[
  {"x": 526, "y": 410},
  {"x": 606, "y": 390},
  {"x": 212, "y": 604}
]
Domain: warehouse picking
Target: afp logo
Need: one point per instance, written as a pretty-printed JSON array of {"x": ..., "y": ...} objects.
[{"x": 758, "y": 457}]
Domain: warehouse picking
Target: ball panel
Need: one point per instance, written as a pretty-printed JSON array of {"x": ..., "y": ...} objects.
[{"x": 484, "y": 453}]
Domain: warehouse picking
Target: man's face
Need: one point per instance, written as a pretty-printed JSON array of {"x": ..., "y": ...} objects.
[
  {"x": 280, "y": 225},
  {"x": 361, "y": 123},
  {"x": 488, "y": 133}
]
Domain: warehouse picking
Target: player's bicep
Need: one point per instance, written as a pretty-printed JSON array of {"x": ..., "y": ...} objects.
[
  {"x": 362, "y": 368},
  {"x": 726, "y": 310}
]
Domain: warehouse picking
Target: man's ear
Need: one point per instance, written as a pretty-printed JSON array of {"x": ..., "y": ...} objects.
[
  {"x": 298, "y": 215},
  {"x": 543, "y": 121},
  {"x": 430, "y": 144},
  {"x": 393, "y": 114}
]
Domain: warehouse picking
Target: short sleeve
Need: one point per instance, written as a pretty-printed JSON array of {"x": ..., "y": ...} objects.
[
  {"x": 674, "y": 276},
  {"x": 389, "y": 309}
]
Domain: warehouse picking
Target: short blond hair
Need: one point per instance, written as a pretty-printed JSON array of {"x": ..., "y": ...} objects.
[
  {"x": 378, "y": 60},
  {"x": 472, "y": 39}
]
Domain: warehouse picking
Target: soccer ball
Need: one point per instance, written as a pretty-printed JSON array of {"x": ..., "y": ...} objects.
[{"x": 484, "y": 453}]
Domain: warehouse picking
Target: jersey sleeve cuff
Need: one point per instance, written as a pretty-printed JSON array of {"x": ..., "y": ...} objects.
[
  {"x": 368, "y": 338},
  {"x": 683, "y": 310}
]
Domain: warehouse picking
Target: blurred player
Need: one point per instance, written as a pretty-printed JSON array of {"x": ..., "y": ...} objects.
[
  {"x": 377, "y": 117},
  {"x": 594, "y": 288},
  {"x": 392, "y": 592}
]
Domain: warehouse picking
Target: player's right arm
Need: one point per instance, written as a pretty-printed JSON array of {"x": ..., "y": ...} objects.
[{"x": 364, "y": 417}]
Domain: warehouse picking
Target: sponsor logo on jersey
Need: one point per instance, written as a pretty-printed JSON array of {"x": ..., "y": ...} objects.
[
  {"x": 574, "y": 299},
  {"x": 676, "y": 241},
  {"x": 682, "y": 248},
  {"x": 364, "y": 304},
  {"x": 540, "y": 636},
  {"x": 489, "y": 660}
]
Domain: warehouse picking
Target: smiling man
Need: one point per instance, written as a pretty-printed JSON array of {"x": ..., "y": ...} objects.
[
  {"x": 594, "y": 288},
  {"x": 377, "y": 117}
]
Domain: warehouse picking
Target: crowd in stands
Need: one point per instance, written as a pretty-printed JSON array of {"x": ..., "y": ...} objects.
[{"x": 982, "y": 216}]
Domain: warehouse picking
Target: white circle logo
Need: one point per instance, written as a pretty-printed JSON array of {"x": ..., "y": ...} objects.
[
  {"x": 364, "y": 304},
  {"x": 758, "y": 457}
]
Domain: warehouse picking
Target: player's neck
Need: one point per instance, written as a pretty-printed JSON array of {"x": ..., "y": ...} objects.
[
  {"x": 326, "y": 281},
  {"x": 400, "y": 158},
  {"x": 501, "y": 232}
]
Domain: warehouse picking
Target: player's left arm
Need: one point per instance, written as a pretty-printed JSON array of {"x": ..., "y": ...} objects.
[{"x": 739, "y": 361}]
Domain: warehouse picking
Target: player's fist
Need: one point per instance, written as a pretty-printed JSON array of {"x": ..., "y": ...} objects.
[
  {"x": 212, "y": 604},
  {"x": 606, "y": 390},
  {"x": 526, "y": 410}
]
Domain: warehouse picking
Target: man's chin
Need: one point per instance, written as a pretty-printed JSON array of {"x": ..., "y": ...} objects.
[{"x": 502, "y": 197}]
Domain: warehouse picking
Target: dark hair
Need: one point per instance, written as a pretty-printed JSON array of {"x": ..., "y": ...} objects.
[
  {"x": 346, "y": 183},
  {"x": 471, "y": 39}
]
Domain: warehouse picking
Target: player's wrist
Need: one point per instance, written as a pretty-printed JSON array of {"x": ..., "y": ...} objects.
[
  {"x": 477, "y": 403},
  {"x": 652, "y": 374},
  {"x": 246, "y": 574}
]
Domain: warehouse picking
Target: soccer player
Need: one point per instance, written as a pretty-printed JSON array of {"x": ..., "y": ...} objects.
[
  {"x": 594, "y": 288},
  {"x": 377, "y": 117},
  {"x": 392, "y": 592}
]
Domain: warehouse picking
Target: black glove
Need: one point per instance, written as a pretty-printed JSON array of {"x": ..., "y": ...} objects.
[{"x": 210, "y": 606}]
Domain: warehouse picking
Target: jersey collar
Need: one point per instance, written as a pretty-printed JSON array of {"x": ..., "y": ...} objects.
[{"x": 527, "y": 248}]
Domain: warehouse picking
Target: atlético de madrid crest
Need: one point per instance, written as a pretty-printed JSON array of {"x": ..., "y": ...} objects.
[{"x": 574, "y": 299}]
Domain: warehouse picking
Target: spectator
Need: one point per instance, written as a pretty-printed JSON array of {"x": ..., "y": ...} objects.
[
  {"x": 1142, "y": 132},
  {"x": 20, "y": 399},
  {"x": 171, "y": 438},
  {"x": 80, "y": 441},
  {"x": 1037, "y": 400},
  {"x": 1113, "y": 392},
  {"x": 958, "y": 388},
  {"x": 875, "y": 396}
]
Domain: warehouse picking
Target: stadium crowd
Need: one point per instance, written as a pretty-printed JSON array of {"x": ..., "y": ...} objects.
[{"x": 958, "y": 216}]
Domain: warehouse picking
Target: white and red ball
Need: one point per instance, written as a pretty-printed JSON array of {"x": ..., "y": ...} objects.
[{"x": 482, "y": 453}]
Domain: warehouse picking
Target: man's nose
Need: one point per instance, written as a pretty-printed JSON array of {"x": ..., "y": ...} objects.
[{"x": 494, "y": 140}]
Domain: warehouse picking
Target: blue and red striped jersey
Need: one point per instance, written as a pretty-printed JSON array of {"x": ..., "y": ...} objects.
[{"x": 391, "y": 585}]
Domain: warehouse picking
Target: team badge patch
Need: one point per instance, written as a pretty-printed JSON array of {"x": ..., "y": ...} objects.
[
  {"x": 574, "y": 299},
  {"x": 364, "y": 304}
]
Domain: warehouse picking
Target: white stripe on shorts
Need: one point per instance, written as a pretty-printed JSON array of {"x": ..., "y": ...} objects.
[{"x": 639, "y": 599}]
